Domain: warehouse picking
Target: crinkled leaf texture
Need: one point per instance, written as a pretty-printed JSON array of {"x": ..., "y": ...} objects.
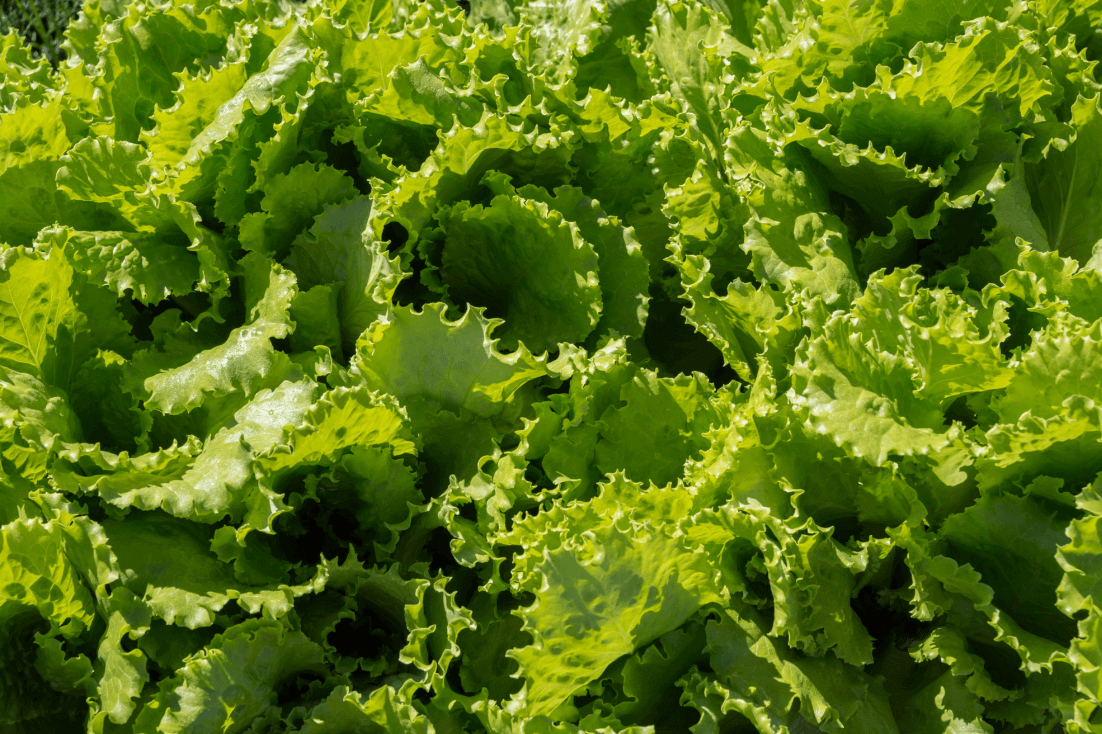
[{"x": 593, "y": 367}]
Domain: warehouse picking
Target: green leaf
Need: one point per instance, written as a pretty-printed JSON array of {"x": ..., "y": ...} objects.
[
  {"x": 383, "y": 710},
  {"x": 136, "y": 264},
  {"x": 169, "y": 563},
  {"x": 877, "y": 381},
  {"x": 377, "y": 488},
  {"x": 1047, "y": 282},
  {"x": 623, "y": 269},
  {"x": 340, "y": 249},
  {"x": 117, "y": 174},
  {"x": 1062, "y": 185},
  {"x": 812, "y": 577},
  {"x": 560, "y": 32},
  {"x": 32, "y": 133},
  {"x": 1012, "y": 542},
  {"x": 763, "y": 680},
  {"x": 484, "y": 665},
  {"x": 342, "y": 418},
  {"x": 122, "y": 674},
  {"x": 37, "y": 420},
  {"x": 30, "y": 698},
  {"x": 418, "y": 94},
  {"x": 140, "y": 58},
  {"x": 944, "y": 705},
  {"x": 1058, "y": 365},
  {"x": 697, "y": 57},
  {"x": 527, "y": 264},
  {"x": 709, "y": 215},
  {"x": 244, "y": 363},
  {"x": 37, "y": 311},
  {"x": 218, "y": 480},
  {"x": 882, "y": 148},
  {"x": 944, "y": 586},
  {"x": 863, "y": 399},
  {"x": 1068, "y": 446},
  {"x": 987, "y": 60},
  {"x": 198, "y": 99},
  {"x": 227, "y": 684},
  {"x": 1078, "y": 592},
  {"x": 463, "y": 156},
  {"x": 288, "y": 72},
  {"x": 456, "y": 364},
  {"x": 747, "y": 324},
  {"x": 949, "y": 645},
  {"x": 604, "y": 587},
  {"x": 649, "y": 677},
  {"x": 952, "y": 346},
  {"x": 105, "y": 170},
  {"x": 367, "y": 63},
  {"x": 291, "y": 201},
  {"x": 911, "y": 22},
  {"x": 38, "y": 573},
  {"x": 314, "y": 312},
  {"x": 658, "y": 428},
  {"x": 793, "y": 237}
]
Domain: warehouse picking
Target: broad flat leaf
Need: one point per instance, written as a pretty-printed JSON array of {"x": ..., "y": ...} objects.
[
  {"x": 122, "y": 673},
  {"x": 288, "y": 71},
  {"x": 793, "y": 237},
  {"x": 1059, "y": 364},
  {"x": 743, "y": 323},
  {"x": 137, "y": 263},
  {"x": 1012, "y": 542},
  {"x": 314, "y": 312},
  {"x": 864, "y": 399},
  {"x": 37, "y": 573},
  {"x": 463, "y": 156},
  {"x": 1062, "y": 187},
  {"x": 562, "y": 31},
  {"x": 31, "y": 133},
  {"x": 457, "y": 364},
  {"x": 141, "y": 57},
  {"x": 949, "y": 645},
  {"x": 952, "y": 346},
  {"x": 526, "y": 264},
  {"x": 986, "y": 61},
  {"x": 36, "y": 309},
  {"x": 697, "y": 56}
]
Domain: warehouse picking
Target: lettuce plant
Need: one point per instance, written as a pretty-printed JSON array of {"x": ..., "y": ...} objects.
[{"x": 528, "y": 368}]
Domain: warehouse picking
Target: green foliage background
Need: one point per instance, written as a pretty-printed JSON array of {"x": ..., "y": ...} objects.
[{"x": 584, "y": 367}]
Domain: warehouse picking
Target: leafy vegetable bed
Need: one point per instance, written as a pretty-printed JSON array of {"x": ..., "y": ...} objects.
[{"x": 636, "y": 366}]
